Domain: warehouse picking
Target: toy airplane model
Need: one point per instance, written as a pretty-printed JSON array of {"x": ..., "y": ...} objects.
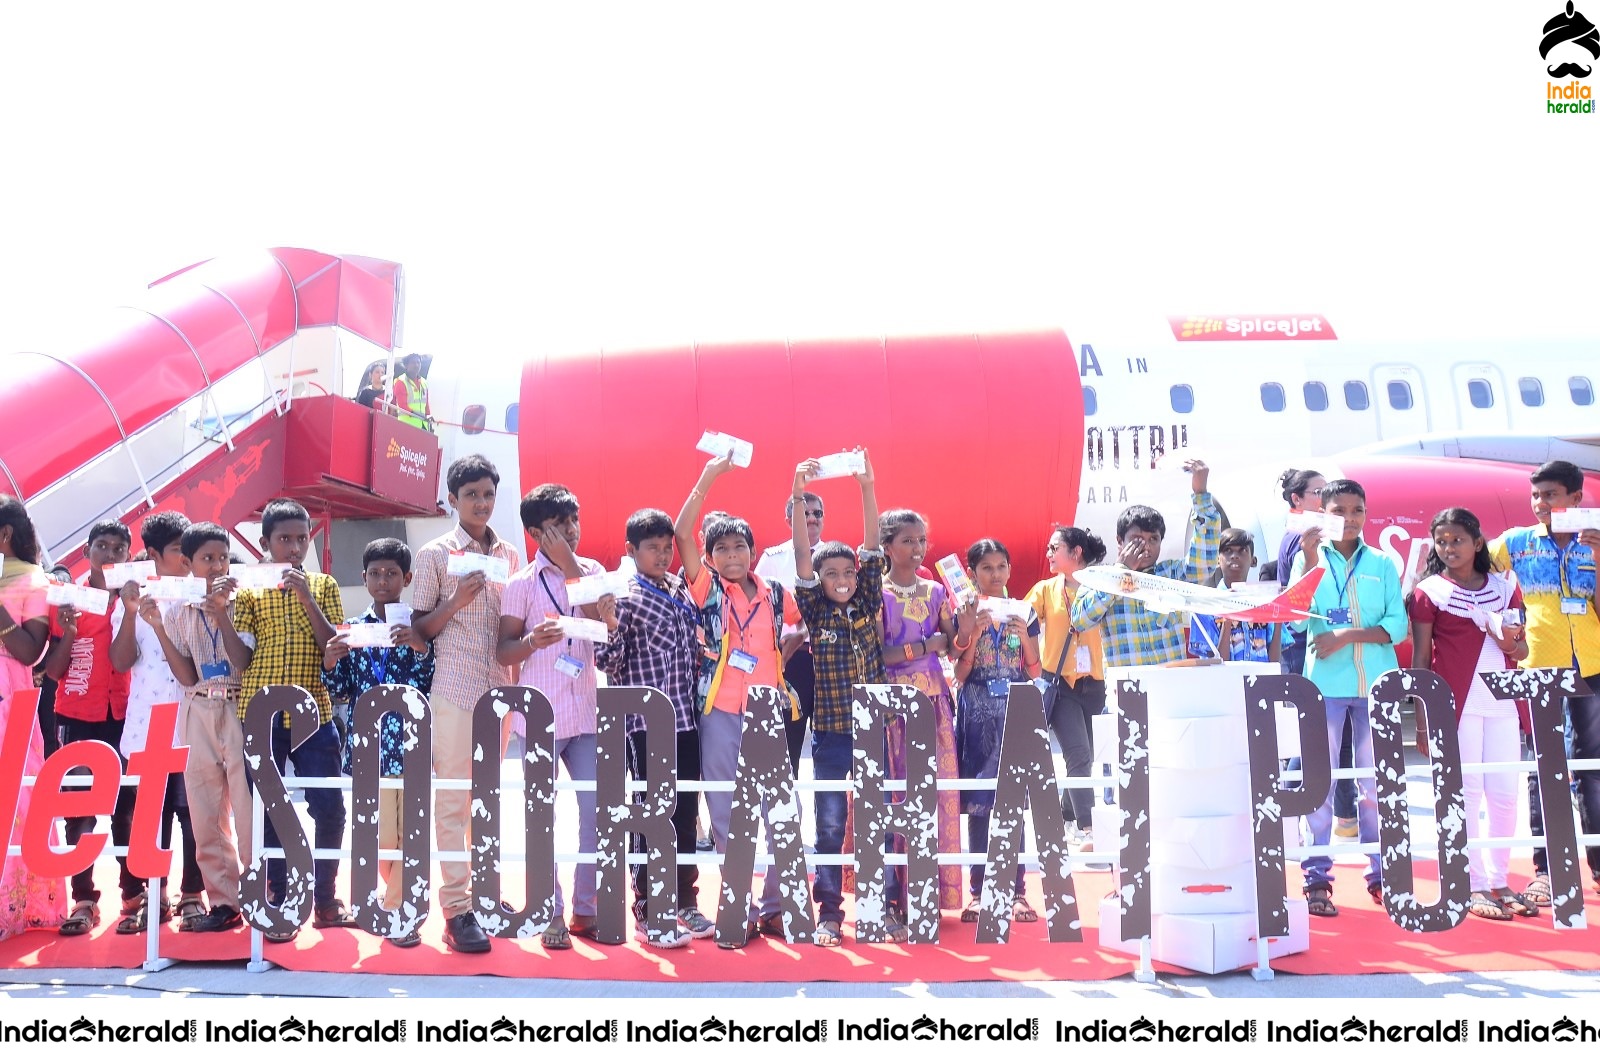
[{"x": 1166, "y": 594}]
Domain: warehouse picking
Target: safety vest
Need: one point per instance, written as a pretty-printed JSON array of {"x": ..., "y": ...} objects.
[{"x": 416, "y": 402}]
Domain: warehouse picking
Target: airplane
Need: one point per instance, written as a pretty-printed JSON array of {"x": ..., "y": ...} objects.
[{"x": 1168, "y": 594}]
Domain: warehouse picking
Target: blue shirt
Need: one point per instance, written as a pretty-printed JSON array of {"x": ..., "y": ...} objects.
[
  {"x": 365, "y": 668},
  {"x": 1249, "y": 641},
  {"x": 1369, "y": 586}
]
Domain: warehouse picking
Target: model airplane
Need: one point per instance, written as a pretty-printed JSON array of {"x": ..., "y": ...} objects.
[{"x": 1166, "y": 594}]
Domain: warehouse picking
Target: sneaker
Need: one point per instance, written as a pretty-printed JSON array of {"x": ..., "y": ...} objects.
[
  {"x": 675, "y": 939},
  {"x": 1347, "y": 828},
  {"x": 220, "y": 918},
  {"x": 696, "y": 923}
]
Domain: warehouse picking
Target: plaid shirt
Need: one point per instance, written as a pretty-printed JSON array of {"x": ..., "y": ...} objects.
[
  {"x": 365, "y": 668},
  {"x": 1134, "y": 635},
  {"x": 846, "y": 643},
  {"x": 656, "y": 645},
  {"x": 286, "y": 649}
]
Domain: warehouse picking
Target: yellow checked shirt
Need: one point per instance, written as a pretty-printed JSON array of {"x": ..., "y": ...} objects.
[{"x": 286, "y": 649}]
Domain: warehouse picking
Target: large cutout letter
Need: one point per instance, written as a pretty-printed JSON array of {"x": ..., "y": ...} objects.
[
  {"x": 538, "y": 811},
  {"x": 1273, "y": 804},
  {"x": 259, "y": 718},
  {"x": 914, "y": 818},
  {"x": 650, "y": 817},
  {"x": 416, "y": 808},
  {"x": 1133, "y": 800}
]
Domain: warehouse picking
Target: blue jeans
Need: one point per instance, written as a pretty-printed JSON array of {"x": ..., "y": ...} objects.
[
  {"x": 317, "y": 757},
  {"x": 830, "y": 760},
  {"x": 1318, "y": 867},
  {"x": 578, "y": 752}
]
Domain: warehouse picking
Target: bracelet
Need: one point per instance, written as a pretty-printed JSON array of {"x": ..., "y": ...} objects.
[
  {"x": 910, "y": 653},
  {"x": 8, "y": 630},
  {"x": 958, "y": 646}
]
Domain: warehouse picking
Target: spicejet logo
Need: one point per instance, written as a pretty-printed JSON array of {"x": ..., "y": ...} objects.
[
  {"x": 1253, "y": 328},
  {"x": 412, "y": 463},
  {"x": 394, "y": 449}
]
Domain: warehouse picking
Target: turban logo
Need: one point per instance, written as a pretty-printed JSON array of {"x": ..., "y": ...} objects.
[{"x": 1570, "y": 26}]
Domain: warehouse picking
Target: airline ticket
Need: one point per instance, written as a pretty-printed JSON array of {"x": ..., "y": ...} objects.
[
  {"x": 1332, "y": 526},
  {"x": 181, "y": 590},
  {"x": 718, "y": 444},
  {"x": 1002, "y": 608},
  {"x": 495, "y": 568},
  {"x": 581, "y": 628},
  {"x": 85, "y": 598},
  {"x": 120, "y": 574},
  {"x": 590, "y": 588},
  {"x": 259, "y": 575},
  {"x": 368, "y": 635},
  {"x": 1571, "y": 520},
  {"x": 840, "y": 465}
]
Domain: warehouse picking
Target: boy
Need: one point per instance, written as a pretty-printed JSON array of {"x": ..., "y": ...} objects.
[
  {"x": 1134, "y": 634},
  {"x": 460, "y": 615},
  {"x": 561, "y": 667},
  {"x": 291, "y": 626},
  {"x": 842, "y": 605},
  {"x": 1239, "y": 641},
  {"x": 743, "y": 618},
  {"x": 385, "y": 571},
  {"x": 91, "y": 702},
  {"x": 208, "y": 655},
  {"x": 777, "y": 565},
  {"x": 655, "y": 643},
  {"x": 1557, "y": 576},
  {"x": 136, "y": 651}
]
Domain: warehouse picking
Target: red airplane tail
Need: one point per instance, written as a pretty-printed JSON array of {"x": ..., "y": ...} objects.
[{"x": 1291, "y": 605}]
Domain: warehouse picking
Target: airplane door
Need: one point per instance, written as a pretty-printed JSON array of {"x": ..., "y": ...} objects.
[
  {"x": 1401, "y": 399},
  {"x": 1480, "y": 396}
]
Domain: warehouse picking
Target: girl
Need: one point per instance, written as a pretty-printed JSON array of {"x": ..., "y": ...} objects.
[
  {"x": 372, "y": 388},
  {"x": 1073, "y": 664},
  {"x": 26, "y": 900},
  {"x": 1301, "y": 491},
  {"x": 992, "y": 654},
  {"x": 917, "y": 629},
  {"x": 1462, "y": 623}
]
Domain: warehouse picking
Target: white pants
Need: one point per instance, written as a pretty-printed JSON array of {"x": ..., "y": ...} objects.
[{"x": 1490, "y": 739}]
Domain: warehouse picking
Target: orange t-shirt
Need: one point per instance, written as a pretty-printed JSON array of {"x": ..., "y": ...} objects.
[{"x": 748, "y": 628}]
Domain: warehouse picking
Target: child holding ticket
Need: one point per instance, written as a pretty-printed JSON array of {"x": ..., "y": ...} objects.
[
  {"x": 91, "y": 703},
  {"x": 1467, "y": 618},
  {"x": 997, "y": 645},
  {"x": 349, "y": 671},
  {"x": 292, "y": 624}
]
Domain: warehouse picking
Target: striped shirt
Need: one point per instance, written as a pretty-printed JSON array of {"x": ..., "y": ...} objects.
[
  {"x": 537, "y": 590},
  {"x": 1548, "y": 574},
  {"x": 464, "y": 666},
  {"x": 287, "y": 652}
]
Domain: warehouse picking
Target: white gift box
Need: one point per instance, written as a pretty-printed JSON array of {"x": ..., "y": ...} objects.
[
  {"x": 1198, "y": 743},
  {"x": 1222, "y": 943},
  {"x": 1190, "y": 691},
  {"x": 1199, "y": 792},
  {"x": 1176, "y": 889},
  {"x": 1203, "y": 842}
]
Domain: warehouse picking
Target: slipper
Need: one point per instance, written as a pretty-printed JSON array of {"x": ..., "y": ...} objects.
[
  {"x": 332, "y": 915},
  {"x": 1486, "y": 905},
  {"x": 1319, "y": 901},
  {"x": 584, "y": 928},
  {"x": 895, "y": 929},
  {"x": 969, "y": 915},
  {"x": 827, "y": 934},
  {"x": 556, "y": 936},
  {"x": 135, "y": 916},
  {"x": 771, "y": 926},
  {"x": 280, "y": 935},
  {"x": 1022, "y": 912},
  {"x": 83, "y": 918},
  {"x": 1514, "y": 902},
  {"x": 1538, "y": 889}
]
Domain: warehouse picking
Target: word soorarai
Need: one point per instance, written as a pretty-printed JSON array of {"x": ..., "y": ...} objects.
[{"x": 1026, "y": 775}]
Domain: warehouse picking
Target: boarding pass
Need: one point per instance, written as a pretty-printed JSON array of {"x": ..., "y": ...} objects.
[
  {"x": 1332, "y": 526},
  {"x": 495, "y": 568},
  {"x": 84, "y": 598},
  {"x": 581, "y": 628},
  {"x": 181, "y": 590},
  {"x": 956, "y": 580},
  {"x": 840, "y": 465},
  {"x": 1571, "y": 520},
  {"x": 1003, "y": 608},
  {"x": 259, "y": 576},
  {"x": 718, "y": 444},
  {"x": 590, "y": 588},
  {"x": 368, "y": 635},
  {"x": 120, "y": 574}
]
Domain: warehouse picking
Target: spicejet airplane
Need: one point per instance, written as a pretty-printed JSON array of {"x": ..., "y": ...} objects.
[{"x": 1169, "y": 594}]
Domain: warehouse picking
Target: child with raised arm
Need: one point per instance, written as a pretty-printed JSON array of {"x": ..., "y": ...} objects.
[
  {"x": 742, "y": 617},
  {"x": 842, "y": 604}
]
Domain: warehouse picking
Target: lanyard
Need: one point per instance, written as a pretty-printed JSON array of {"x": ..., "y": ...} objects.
[
  {"x": 734, "y": 611},
  {"x": 215, "y": 636},
  {"x": 1349, "y": 574},
  {"x": 649, "y": 587},
  {"x": 553, "y": 601}
]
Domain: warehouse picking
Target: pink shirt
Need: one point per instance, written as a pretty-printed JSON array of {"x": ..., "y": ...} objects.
[{"x": 537, "y": 590}]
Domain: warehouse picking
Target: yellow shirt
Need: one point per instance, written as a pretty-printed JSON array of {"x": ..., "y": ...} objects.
[{"x": 1051, "y": 600}]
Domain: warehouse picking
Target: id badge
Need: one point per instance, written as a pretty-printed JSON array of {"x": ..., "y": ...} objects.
[
  {"x": 1574, "y": 605},
  {"x": 213, "y": 671},
  {"x": 742, "y": 661},
  {"x": 1338, "y": 616},
  {"x": 1082, "y": 660},
  {"x": 1000, "y": 688},
  {"x": 573, "y": 668}
]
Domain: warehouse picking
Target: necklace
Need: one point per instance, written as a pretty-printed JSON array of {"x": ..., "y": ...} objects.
[{"x": 904, "y": 592}]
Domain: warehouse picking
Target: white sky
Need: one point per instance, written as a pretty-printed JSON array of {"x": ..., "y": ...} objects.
[{"x": 559, "y": 179}]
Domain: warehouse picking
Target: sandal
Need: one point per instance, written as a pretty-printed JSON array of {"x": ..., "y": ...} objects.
[
  {"x": 1514, "y": 902},
  {"x": 280, "y": 935},
  {"x": 556, "y": 936},
  {"x": 771, "y": 926},
  {"x": 332, "y": 915},
  {"x": 894, "y": 928},
  {"x": 583, "y": 927},
  {"x": 135, "y": 916},
  {"x": 190, "y": 907},
  {"x": 827, "y": 934},
  {"x": 969, "y": 915},
  {"x": 1538, "y": 889},
  {"x": 1375, "y": 890},
  {"x": 1022, "y": 912},
  {"x": 85, "y": 916},
  {"x": 1486, "y": 905},
  {"x": 1319, "y": 900}
]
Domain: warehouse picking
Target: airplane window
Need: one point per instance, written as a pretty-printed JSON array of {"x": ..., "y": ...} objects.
[
  {"x": 1272, "y": 397},
  {"x": 1532, "y": 391},
  {"x": 1355, "y": 395},
  {"x": 1316, "y": 396},
  {"x": 472, "y": 419},
  {"x": 1399, "y": 394},
  {"x": 1480, "y": 393},
  {"x": 1182, "y": 397},
  {"x": 1091, "y": 401},
  {"x": 513, "y": 411},
  {"x": 1582, "y": 393}
]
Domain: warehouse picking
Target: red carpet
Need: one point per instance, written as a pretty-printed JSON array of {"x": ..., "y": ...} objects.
[{"x": 1360, "y": 940}]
